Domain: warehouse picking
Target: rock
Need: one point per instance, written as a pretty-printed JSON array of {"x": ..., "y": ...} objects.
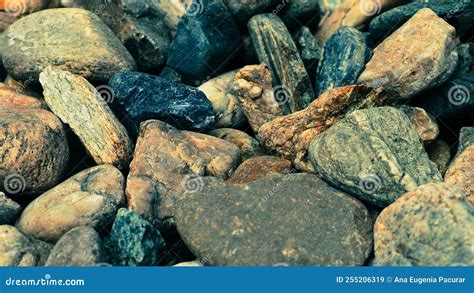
[
  {"x": 9, "y": 210},
  {"x": 327, "y": 7},
  {"x": 294, "y": 13},
  {"x": 243, "y": 10},
  {"x": 56, "y": 36},
  {"x": 425, "y": 125},
  {"x": 260, "y": 167},
  {"x": 206, "y": 40},
  {"x": 26, "y": 87},
  {"x": 89, "y": 198},
  {"x": 401, "y": 68},
  {"x": 461, "y": 169},
  {"x": 292, "y": 219},
  {"x": 167, "y": 159},
  {"x": 253, "y": 87},
  {"x": 80, "y": 246},
  {"x": 172, "y": 10},
  {"x": 43, "y": 250},
  {"x": 346, "y": 50},
  {"x": 14, "y": 97},
  {"x": 144, "y": 96},
  {"x": 275, "y": 48},
  {"x": 34, "y": 150},
  {"x": 309, "y": 50},
  {"x": 432, "y": 225},
  {"x": 136, "y": 242},
  {"x": 290, "y": 135},
  {"x": 80, "y": 105},
  {"x": 219, "y": 91},
  {"x": 17, "y": 249},
  {"x": 440, "y": 154},
  {"x": 249, "y": 146},
  {"x": 171, "y": 75},
  {"x": 374, "y": 154},
  {"x": 189, "y": 264},
  {"x": 6, "y": 19},
  {"x": 19, "y": 8}
]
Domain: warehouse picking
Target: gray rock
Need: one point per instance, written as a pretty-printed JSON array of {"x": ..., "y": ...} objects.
[
  {"x": 9, "y": 210},
  {"x": 309, "y": 49},
  {"x": 294, "y": 13},
  {"x": 243, "y": 10}
]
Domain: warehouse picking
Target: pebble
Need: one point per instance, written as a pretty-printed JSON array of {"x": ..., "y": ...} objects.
[
  {"x": 310, "y": 51},
  {"x": 425, "y": 124},
  {"x": 440, "y": 154},
  {"x": 79, "y": 247},
  {"x": 326, "y": 7},
  {"x": 10, "y": 96},
  {"x": 344, "y": 156},
  {"x": 9, "y": 210},
  {"x": 347, "y": 51},
  {"x": 77, "y": 103},
  {"x": 398, "y": 65},
  {"x": 294, "y": 13},
  {"x": 89, "y": 198},
  {"x": 243, "y": 10},
  {"x": 248, "y": 145},
  {"x": 6, "y": 19},
  {"x": 289, "y": 136},
  {"x": 432, "y": 225},
  {"x": 260, "y": 167},
  {"x": 275, "y": 48},
  {"x": 57, "y": 37}
]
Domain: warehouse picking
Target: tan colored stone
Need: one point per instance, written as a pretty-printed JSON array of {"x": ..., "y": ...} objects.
[
  {"x": 19, "y": 8},
  {"x": 249, "y": 146},
  {"x": 440, "y": 154},
  {"x": 425, "y": 125},
  {"x": 14, "y": 97},
  {"x": 17, "y": 249},
  {"x": 193, "y": 263},
  {"x": 260, "y": 167}
]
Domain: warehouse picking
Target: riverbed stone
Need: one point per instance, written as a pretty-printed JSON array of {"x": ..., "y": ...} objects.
[
  {"x": 9, "y": 210},
  {"x": 439, "y": 152},
  {"x": 18, "y": 249},
  {"x": 425, "y": 124},
  {"x": 243, "y": 10},
  {"x": 10, "y": 96},
  {"x": 248, "y": 145},
  {"x": 260, "y": 167},
  {"x": 309, "y": 50}
]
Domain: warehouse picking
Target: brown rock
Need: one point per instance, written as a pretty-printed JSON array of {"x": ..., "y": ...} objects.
[
  {"x": 6, "y": 19},
  {"x": 25, "y": 87},
  {"x": 425, "y": 125},
  {"x": 19, "y": 8},
  {"x": 440, "y": 154},
  {"x": 89, "y": 198},
  {"x": 260, "y": 167},
  {"x": 249, "y": 146},
  {"x": 290, "y": 135},
  {"x": 80, "y": 105},
  {"x": 14, "y": 97}
]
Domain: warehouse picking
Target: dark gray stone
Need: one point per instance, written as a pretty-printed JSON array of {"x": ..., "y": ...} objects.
[
  {"x": 309, "y": 50},
  {"x": 243, "y": 10},
  {"x": 295, "y": 13},
  {"x": 9, "y": 210}
]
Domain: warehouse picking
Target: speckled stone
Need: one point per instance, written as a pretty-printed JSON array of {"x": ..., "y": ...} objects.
[
  {"x": 9, "y": 210},
  {"x": 440, "y": 153},
  {"x": 10, "y": 96},
  {"x": 260, "y": 167},
  {"x": 248, "y": 145},
  {"x": 309, "y": 50},
  {"x": 425, "y": 124}
]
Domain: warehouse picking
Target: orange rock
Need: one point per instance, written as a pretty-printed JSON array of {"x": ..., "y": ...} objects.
[
  {"x": 14, "y": 97},
  {"x": 259, "y": 167}
]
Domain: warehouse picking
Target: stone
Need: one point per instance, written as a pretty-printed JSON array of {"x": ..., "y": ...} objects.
[
  {"x": 27, "y": 87},
  {"x": 167, "y": 159},
  {"x": 327, "y": 7},
  {"x": 243, "y": 10},
  {"x": 432, "y": 225},
  {"x": 172, "y": 10},
  {"x": 206, "y": 40},
  {"x": 461, "y": 170},
  {"x": 34, "y": 150},
  {"x": 465, "y": 64},
  {"x": 425, "y": 125},
  {"x": 275, "y": 48},
  {"x": 260, "y": 167},
  {"x": 19, "y": 8},
  {"x": 289, "y": 136},
  {"x": 57, "y": 37},
  {"x": 189, "y": 264},
  {"x": 253, "y": 87},
  {"x": 310, "y": 51},
  {"x": 9, "y": 210},
  {"x": 89, "y": 198},
  {"x": 346, "y": 50},
  {"x": 14, "y": 97},
  {"x": 79, "y": 247},
  {"x": 17, "y": 249},
  {"x": 80, "y": 105},
  {"x": 134, "y": 241},
  {"x": 294, "y": 13},
  {"x": 292, "y": 219},
  {"x": 219, "y": 91},
  {"x": 248, "y": 145},
  {"x": 398, "y": 65},
  {"x": 374, "y": 154},
  {"x": 6, "y": 19},
  {"x": 440, "y": 154},
  {"x": 171, "y": 74},
  {"x": 144, "y": 96}
]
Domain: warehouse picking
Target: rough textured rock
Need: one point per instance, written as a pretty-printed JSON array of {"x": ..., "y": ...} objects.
[
  {"x": 292, "y": 219},
  {"x": 219, "y": 91},
  {"x": 134, "y": 241},
  {"x": 81, "y": 246},
  {"x": 346, "y": 50},
  {"x": 461, "y": 169},
  {"x": 326, "y": 7},
  {"x": 14, "y": 97},
  {"x": 243, "y": 10},
  {"x": 309, "y": 50},
  {"x": 425, "y": 125},
  {"x": 260, "y": 167},
  {"x": 80, "y": 105},
  {"x": 144, "y": 96},
  {"x": 57, "y": 37},
  {"x": 6, "y": 19},
  {"x": 432, "y": 225},
  {"x": 253, "y": 87},
  {"x": 9, "y": 210},
  {"x": 33, "y": 148},
  {"x": 89, "y": 198},
  {"x": 167, "y": 159},
  {"x": 26, "y": 87},
  {"x": 290, "y": 135},
  {"x": 275, "y": 48},
  {"x": 206, "y": 40},
  {"x": 440, "y": 154},
  {"x": 398, "y": 65},
  {"x": 374, "y": 154},
  {"x": 294, "y": 13},
  {"x": 17, "y": 249},
  {"x": 249, "y": 146}
]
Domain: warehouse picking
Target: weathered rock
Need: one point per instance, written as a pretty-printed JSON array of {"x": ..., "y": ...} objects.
[
  {"x": 57, "y": 37},
  {"x": 292, "y": 219},
  {"x": 14, "y": 97},
  {"x": 327, "y": 7},
  {"x": 432, "y": 225},
  {"x": 17, "y": 249},
  {"x": 260, "y": 167},
  {"x": 243, "y": 10},
  {"x": 6, "y": 19},
  {"x": 425, "y": 125},
  {"x": 80, "y": 246},
  {"x": 297, "y": 12},
  {"x": 465, "y": 64},
  {"x": 275, "y": 48},
  {"x": 249, "y": 146},
  {"x": 206, "y": 40},
  {"x": 172, "y": 10},
  {"x": 167, "y": 159},
  {"x": 253, "y": 87},
  {"x": 290, "y": 135},
  {"x": 189, "y": 264},
  {"x": 398, "y": 65},
  {"x": 461, "y": 169},
  {"x": 26, "y": 87},
  {"x": 9, "y": 210},
  {"x": 89, "y": 198},
  {"x": 309, "y": 50},
  {"x": 33, "y": 148},
  {"x": 440, "y": 154},
  {"x": 19, "y": 8},
  {"x": 374, "y": 154},
  {"x": 134, "y": 241},
  {"x": 79, "y": 104},
  {"x": 343, "y": 59},
  {"x": 219, "y": 91}
]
